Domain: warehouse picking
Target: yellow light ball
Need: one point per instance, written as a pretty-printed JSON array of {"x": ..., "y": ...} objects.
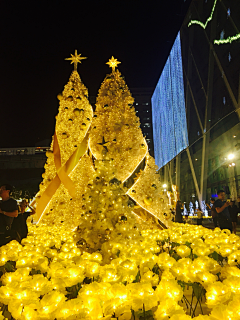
[
  {"x": 49, "y": 153},
  {"x": 59, "y": 96},
  {"x": 64, "y": 135},
  {"x": 76, "y": 112},
  {"x": 148, "y": 201}
]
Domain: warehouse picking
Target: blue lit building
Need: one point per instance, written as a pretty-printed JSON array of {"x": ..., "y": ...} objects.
[
  {"x": 168, "y": 109},
  {"x": 196, "y": 104}
]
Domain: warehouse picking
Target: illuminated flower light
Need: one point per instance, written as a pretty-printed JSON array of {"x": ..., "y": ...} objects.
[
  {"x": 51, "y": 302},
  {"x": 165, "y": 261},
  {"x": 233, "y": 283},
  {"x": 169, "y": 289},
  {"x": 21, "y": 291},
  {"x": 206, "y": 264},
  {"x": 182, "y": 270},
  {"x": 183, "y": 251},
  {"x": 185, "y": 317},
  {"x": 16, "y": 309},
  {"x": 233, "y": 307},
  {"x": 217, "y": 293},
  {"x": 142, "y": 293},
  {"x": 128, "y": 270},
  {"x": 168, "y": 308},
  {"x": 234, "y": 258},
  {"x": 3, "y": 259},
  {"x": 151, "y": 277},
  {"x": 6, "y": 294},
  {"x": 206, "y": 278},
  {"x": 227, "y": 271},
  {"x": 202, "y": 250},
  {"x": 167, "y": 275},
  {"x": 222, "y": 312},
  {"x": 109, "y": 274},
  {"x": 225, "y": 250}
]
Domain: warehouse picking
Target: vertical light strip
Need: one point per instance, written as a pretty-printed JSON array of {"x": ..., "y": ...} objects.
[{"x": 170, "y": 135}]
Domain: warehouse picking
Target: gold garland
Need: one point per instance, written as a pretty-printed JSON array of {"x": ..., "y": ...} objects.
[{"x": 62, "y": 175}]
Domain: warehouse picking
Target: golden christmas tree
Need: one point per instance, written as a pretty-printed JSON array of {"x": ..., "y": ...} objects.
[
  {"x": 68, "y": 167},
  {"x": 114, "y": 137},
  {"x": 115, "y": 127},
  {"x": 116, "y": 134}
]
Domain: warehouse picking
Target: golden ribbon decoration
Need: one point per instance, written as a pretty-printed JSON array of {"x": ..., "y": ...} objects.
[
  {"x": 147, "y": 215},
  {"x": 62, "y": 175}
]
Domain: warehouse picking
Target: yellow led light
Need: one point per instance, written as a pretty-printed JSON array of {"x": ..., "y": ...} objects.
[{"x": 204, "y": 25}]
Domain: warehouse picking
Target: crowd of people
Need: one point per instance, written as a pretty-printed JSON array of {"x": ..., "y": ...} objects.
[
  {"x": 13, "y": 218},
  {"x": 224, "y": 213}
]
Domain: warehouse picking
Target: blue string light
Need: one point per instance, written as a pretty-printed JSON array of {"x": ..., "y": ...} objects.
[{"x": 168, "y": 109}]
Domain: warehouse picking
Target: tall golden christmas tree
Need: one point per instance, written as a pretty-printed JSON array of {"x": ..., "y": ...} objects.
[
  {"x": 116, "y": 127},
  {"x": 68, "y": 167},
  {"x": 116, "y": 134}
]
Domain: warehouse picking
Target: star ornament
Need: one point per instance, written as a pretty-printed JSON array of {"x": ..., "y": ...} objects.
[
  {"x": 103, "y": 144},
  {"x": 75, "y": 59},
  {"x": 113, "y": 63}
]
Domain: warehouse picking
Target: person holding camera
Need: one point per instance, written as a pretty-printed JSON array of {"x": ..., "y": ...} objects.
[
  {"x": 20, "y": 223},
  {"x": 213, "y": 212},
  {"x": 221, "y": 207},
  {"x": 8, "y": 211}
]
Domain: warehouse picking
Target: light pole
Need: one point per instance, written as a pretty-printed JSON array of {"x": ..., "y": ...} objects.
[{"x": 232, "y": 180}]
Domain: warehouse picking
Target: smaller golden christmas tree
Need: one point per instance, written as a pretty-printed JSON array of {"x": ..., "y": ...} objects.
[{"x": 68, "y": 167}]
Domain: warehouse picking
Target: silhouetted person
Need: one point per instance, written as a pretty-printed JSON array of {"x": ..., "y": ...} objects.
[
  {"x": 8, "y": 211},
  {"x": 213, "y": 212},
  {"x": 221, "y": 206},
  {"x": 199, "y": 217},
  {"x": 20, "y": 223},
  {"x": 233, "y": 210},
  {"x": 178, "y": 215}
]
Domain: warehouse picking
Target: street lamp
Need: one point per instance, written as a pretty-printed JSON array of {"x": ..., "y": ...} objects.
[
  {"x": 164, "y": 187},
  {"x": 232, "y": 174}
]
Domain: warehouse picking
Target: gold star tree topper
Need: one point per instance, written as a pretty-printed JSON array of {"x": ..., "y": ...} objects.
[
  {"x": 113, "y": 63},
  {"x": 75, "y": 59}
]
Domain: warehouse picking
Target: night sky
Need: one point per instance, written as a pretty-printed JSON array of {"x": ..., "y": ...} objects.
[{"x": 36, "y": 36}]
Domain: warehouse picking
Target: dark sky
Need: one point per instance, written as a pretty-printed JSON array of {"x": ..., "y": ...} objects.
[{"x": 36, "y": 36}]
